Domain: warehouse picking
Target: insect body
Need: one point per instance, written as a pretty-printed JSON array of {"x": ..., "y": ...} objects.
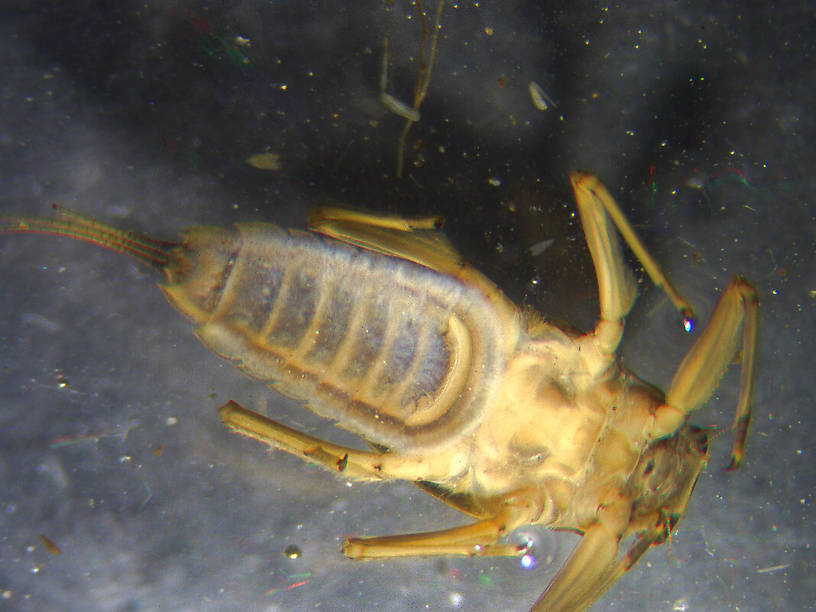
[{"x": 496, "y": 412}]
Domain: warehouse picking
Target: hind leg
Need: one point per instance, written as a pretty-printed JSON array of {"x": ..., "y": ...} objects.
[{"x": 350, "y": 462}]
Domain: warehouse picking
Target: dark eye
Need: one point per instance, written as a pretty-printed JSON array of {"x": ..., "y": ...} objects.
[{"x": 648, "y": 469}]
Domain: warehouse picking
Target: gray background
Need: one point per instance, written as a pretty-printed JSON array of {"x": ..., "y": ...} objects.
[{"x": 698, "y": 116}]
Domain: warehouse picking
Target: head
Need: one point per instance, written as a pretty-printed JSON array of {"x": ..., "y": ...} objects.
[{"x": 665, "y": 476}]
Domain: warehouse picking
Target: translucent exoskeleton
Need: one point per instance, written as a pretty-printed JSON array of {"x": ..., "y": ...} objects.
[{"x": 382, "y": 327}]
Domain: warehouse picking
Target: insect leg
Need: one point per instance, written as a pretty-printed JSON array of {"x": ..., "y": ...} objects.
[
  {"x": 735, "y": 316},
  {"x": 352, "y": 463},
  {"x": 416, "y": 239},
  {"x": 591, "y": 568},
  {"x": 593, "y": 201},
  {"x": 476, "y": 539},
  {"x": 616, "y": 285}
]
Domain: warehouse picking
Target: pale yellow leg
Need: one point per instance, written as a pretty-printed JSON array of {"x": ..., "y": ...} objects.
[
  {"x": 734, "y": 318},
  {"x": 643, "y": 542},
  {"x": 352, "y": 463},
  {"x": 614, "y": 281},
  {"x": 586, "y": 574},
  {"x": 477, "y": 539},
  {"x": 616, "y": 285}
]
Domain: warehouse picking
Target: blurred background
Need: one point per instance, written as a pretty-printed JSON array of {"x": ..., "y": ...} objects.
[{"x": 159, "y": 116}]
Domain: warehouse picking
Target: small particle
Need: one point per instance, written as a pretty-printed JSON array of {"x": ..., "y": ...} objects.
[
  {"x": 157, "y": 452},
  {"x": 696, "y": 182},
  {"x": 171, "y": 421},
  {"x": 457, "y": 599},
  {"x": 398, "y": 107},
  {"x": 125, "y": 459},
  {"x": 488, "y": 30},
  {"x": 342, "y": 463},
  {"x": 62, "y": 382},
  {"x": 541, "y": 100},
  {"x": 126, "y": 430},
  {"x": 50, "y": 545},
  {"x": 265, "y": 161},
  {"x": 680, "y": 605},
  {"x": 293, "y": 552},
  {"x": 501, "y": 81},
  {"x": 539, "y": 247},
  {"x": 494, "y": 181},
  {"x": 40, "y": 322},
  {"x": 773, "y": 568},
  {"x": 6, "y": 594},
  {"x": 240, "y": 41},
  {"x": 527, "y": 561}
]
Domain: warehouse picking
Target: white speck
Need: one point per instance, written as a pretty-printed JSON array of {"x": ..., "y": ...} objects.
[
  {"x": 541, "y": 100},
  {"x": 539, "y": 247}
]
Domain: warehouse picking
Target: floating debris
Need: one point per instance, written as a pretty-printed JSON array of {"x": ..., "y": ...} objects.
[
  {"x": 398, "y": 107},
  {"x": 773, "y": 568},
  {"x": 265, "y": 161},
  {"x": 541, "y": 100},
  {"x": 539, "y": 247},
  {"x": 50, "y": 545}
]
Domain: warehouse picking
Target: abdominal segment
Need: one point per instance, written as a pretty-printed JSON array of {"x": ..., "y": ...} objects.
[{"x": 380, "y": 344}]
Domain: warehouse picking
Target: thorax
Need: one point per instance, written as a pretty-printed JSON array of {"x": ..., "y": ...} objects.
[{"x": 565, "y": 422}]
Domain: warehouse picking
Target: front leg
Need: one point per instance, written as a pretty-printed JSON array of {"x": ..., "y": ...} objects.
[
  {"x": 600, "y": 216},
  {"x": 735, "y": 317},
  {"x": 616, "y": 286}
]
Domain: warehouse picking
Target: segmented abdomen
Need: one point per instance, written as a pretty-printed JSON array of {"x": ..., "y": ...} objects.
[{"x": 392, "y": 350}]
